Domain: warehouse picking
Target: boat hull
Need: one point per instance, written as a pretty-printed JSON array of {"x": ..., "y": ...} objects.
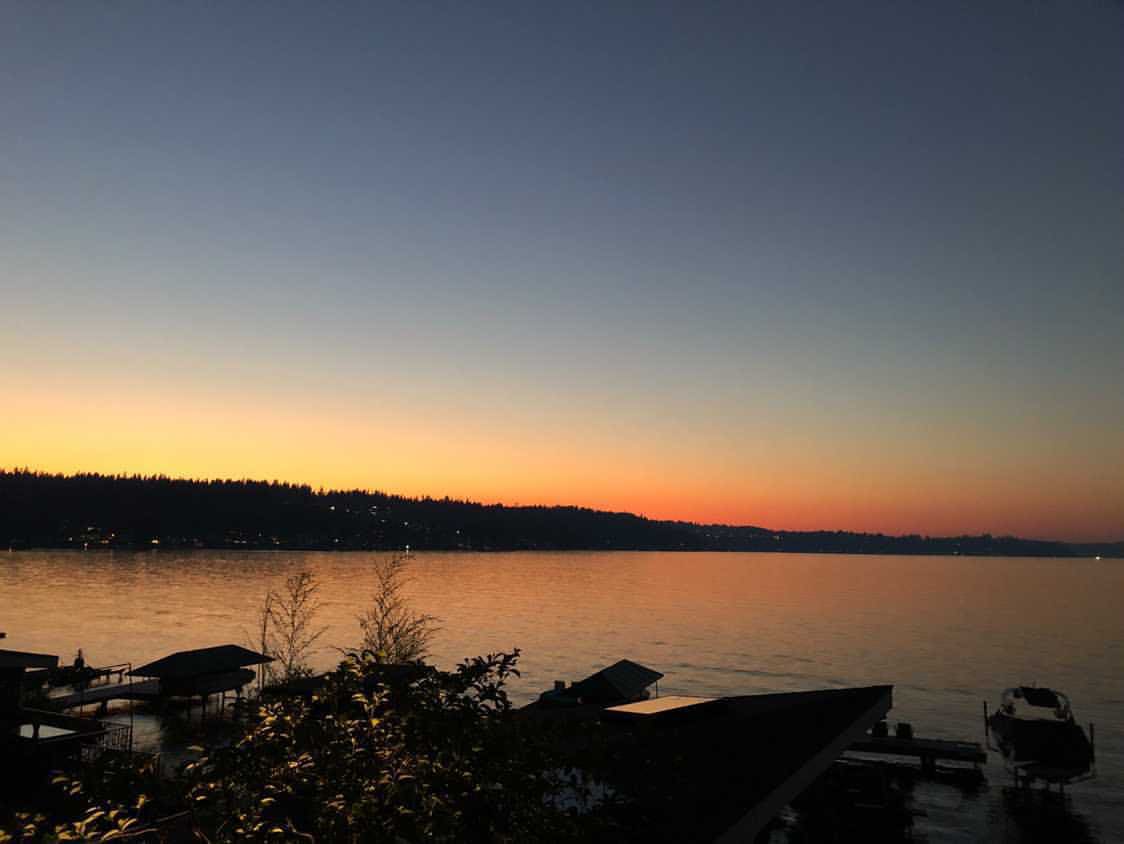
[{"x": 1057, "y": 750}]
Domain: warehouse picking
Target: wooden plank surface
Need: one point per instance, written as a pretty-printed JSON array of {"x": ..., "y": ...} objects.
[
  {"x": 146, "y": 690},
  {"x": 953, "y": 751}
]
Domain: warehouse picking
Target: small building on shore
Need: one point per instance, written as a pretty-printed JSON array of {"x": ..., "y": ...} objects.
[{"x": 624, "y": 681}]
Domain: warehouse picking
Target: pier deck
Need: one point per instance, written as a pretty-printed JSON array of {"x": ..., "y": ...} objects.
[
  {"x": 202, "y": 687},
  {"x": 929, "y": 751},
  {"x": 145, "y": 690}
]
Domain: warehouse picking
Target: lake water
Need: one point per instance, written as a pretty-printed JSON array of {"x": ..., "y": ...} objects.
[{"x": 947, "y": 632}]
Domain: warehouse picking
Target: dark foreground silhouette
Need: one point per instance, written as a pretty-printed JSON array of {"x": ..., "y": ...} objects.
[{"x": 39, "y": 510}]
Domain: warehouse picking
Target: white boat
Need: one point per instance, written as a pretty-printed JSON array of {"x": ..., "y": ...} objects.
[{"x": 1035, "y": 731}]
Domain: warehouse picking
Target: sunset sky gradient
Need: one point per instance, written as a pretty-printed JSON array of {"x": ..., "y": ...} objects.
[{"x": 847, "y": 266}]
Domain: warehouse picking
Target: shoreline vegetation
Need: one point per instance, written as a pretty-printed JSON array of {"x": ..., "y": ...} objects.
[{"x": 89, "y": 511}]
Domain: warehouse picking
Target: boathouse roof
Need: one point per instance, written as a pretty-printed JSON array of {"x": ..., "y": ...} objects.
[
  {"x": 213, "y": 660},
  {"x": 20, "y": 659},
  {"x": 741, "y": 767},
  {"x": 689, "y": 770},
  {"x": 623, "y": 680}
]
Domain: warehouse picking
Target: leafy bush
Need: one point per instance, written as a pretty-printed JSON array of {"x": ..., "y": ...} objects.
[{"x": 377, "y": 754}]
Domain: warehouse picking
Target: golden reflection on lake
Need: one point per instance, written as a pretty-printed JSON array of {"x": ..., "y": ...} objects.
[{"x": 948, "y": 632}]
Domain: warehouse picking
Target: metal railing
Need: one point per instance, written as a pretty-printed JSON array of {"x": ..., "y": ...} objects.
[
  {"x": 116, "y": 737},
  {"x": 113, "y": 738}
]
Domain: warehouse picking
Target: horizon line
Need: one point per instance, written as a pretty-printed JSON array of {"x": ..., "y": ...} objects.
[{"x": 322, "y": 490}]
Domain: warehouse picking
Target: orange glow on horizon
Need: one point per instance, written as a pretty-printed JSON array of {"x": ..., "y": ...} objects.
[
  {"x": 411, "y": 269},
  {"x": 387, "y": 447}
]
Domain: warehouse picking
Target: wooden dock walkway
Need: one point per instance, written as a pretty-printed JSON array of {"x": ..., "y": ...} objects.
[
  {"x": 929, "y": 751},
  {"x": 200, "y": 687},
  {"x": 143, "y": 690}
]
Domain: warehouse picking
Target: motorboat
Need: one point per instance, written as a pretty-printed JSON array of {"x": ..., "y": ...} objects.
[{"x": 1035, "y": 730}]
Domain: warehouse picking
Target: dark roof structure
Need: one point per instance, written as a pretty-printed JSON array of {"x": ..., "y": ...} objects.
[
  {"x": 623, "y": 680},
  {"x": 215, "y": 660},
  {"x": 700, "y": 770},
  {"x": 785, "y": 742},
  {"x": 20, "y": 659}
]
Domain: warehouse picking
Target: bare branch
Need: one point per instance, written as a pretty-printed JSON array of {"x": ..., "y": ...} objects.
[
  {"x": 392, "y": 630},
  {"x": 286, "y": 626}
]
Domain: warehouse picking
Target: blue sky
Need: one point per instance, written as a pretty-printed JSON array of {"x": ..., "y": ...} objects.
[{"x": 886, "y": 236}]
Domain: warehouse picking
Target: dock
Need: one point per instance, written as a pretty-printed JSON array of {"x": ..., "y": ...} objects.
[
  {"x": 156, "y": 689},
  {"x": 145, "y": 690},
  {"x": 197, "y": 673},
  {"x": 929, "y": 751}
]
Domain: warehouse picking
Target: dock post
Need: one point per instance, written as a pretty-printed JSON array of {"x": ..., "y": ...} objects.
[{"x": 132, "y": 705}]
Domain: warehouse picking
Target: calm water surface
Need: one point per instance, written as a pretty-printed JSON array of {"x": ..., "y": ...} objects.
[{"x": 947, "y": 632}]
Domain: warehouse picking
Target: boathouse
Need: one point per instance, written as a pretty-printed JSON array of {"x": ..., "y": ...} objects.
[
  {"x": 622, "y": 682},
  {"x": 13, "y": 666},
  {"x": 35, "y": 741},
  {"x": 203, "y": 671},
  {"x": 697, "y": 769}
]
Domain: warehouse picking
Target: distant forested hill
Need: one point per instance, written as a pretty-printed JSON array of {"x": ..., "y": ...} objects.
[{"x": 99, "y": 511}]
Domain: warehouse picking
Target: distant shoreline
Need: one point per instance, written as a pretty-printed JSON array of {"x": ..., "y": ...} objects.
[
  {"x": 246, "y": 549},
  {"x": 48, "y": 512}
]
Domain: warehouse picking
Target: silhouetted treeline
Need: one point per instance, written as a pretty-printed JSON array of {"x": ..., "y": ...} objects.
[{"x": 97, "y": 511}]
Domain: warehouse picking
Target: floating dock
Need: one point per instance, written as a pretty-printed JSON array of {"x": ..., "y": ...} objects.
[
  {"x": 145, "y": 690},
  {"x": 200, "y": 673},
  {"x": 929, "y": 751}
]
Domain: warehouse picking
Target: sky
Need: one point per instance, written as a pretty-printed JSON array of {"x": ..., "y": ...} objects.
[{"x": 800, "y": 265}]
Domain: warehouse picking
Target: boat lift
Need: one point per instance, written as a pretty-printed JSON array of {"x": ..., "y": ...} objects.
[{"x": 1025, "y": 773}]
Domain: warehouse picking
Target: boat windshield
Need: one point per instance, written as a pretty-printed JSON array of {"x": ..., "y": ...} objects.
[{"x": 1045, "y": 698}]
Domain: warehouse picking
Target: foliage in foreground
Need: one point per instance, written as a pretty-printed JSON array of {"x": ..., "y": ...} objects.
[{"x": 374, "y": 755}]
